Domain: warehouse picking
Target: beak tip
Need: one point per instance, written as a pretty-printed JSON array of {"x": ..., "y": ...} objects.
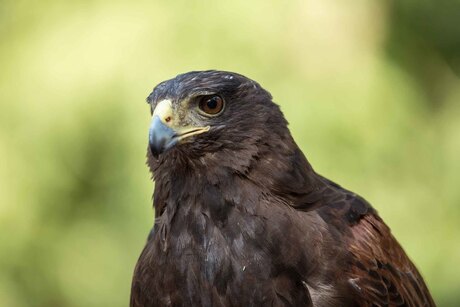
[{"x": 154, "y": 151}]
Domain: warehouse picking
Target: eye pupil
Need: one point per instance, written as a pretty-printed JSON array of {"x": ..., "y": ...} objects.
[{"x": 211, "y": 105}]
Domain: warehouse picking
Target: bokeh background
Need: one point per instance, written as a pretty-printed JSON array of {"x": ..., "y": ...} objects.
[{"x": 371, "y": 90}]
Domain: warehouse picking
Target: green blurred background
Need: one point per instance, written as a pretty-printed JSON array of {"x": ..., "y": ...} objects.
[{"x": 371, "y": 90}]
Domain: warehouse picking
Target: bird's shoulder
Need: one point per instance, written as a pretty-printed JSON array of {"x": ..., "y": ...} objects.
[
  {"x": 335, "y": 205},
  {"x": 377, "y": 268},
  {"x": 340, "y": 206}
]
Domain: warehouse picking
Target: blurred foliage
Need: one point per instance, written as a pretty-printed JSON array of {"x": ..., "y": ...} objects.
[
  {"x": 424, "y": 39},
  {"x": 371, "y": 90}
]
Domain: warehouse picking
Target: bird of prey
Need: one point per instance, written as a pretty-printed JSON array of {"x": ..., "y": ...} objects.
[{"x": 241, "y": 217}]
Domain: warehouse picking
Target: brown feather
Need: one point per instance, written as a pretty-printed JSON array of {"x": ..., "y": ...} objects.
[{"x": 380, "y": 271}]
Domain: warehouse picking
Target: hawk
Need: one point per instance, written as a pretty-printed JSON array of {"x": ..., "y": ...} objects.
[{"x": 241, "y": 217}]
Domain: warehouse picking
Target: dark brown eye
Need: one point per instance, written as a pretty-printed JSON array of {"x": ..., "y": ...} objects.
[{"x": 211, "y": 104}]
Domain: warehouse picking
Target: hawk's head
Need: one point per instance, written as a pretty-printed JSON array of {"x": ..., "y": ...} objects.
[{"x": 213, "y": 115}]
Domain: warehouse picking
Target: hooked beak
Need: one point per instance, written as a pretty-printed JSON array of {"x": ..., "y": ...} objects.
[
  {"x": 161, "y": 137},
  {"x": 165, "y": 132}
]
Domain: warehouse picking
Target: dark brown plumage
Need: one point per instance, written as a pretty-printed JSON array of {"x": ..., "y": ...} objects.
[{"x": 241, "y": 218}]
